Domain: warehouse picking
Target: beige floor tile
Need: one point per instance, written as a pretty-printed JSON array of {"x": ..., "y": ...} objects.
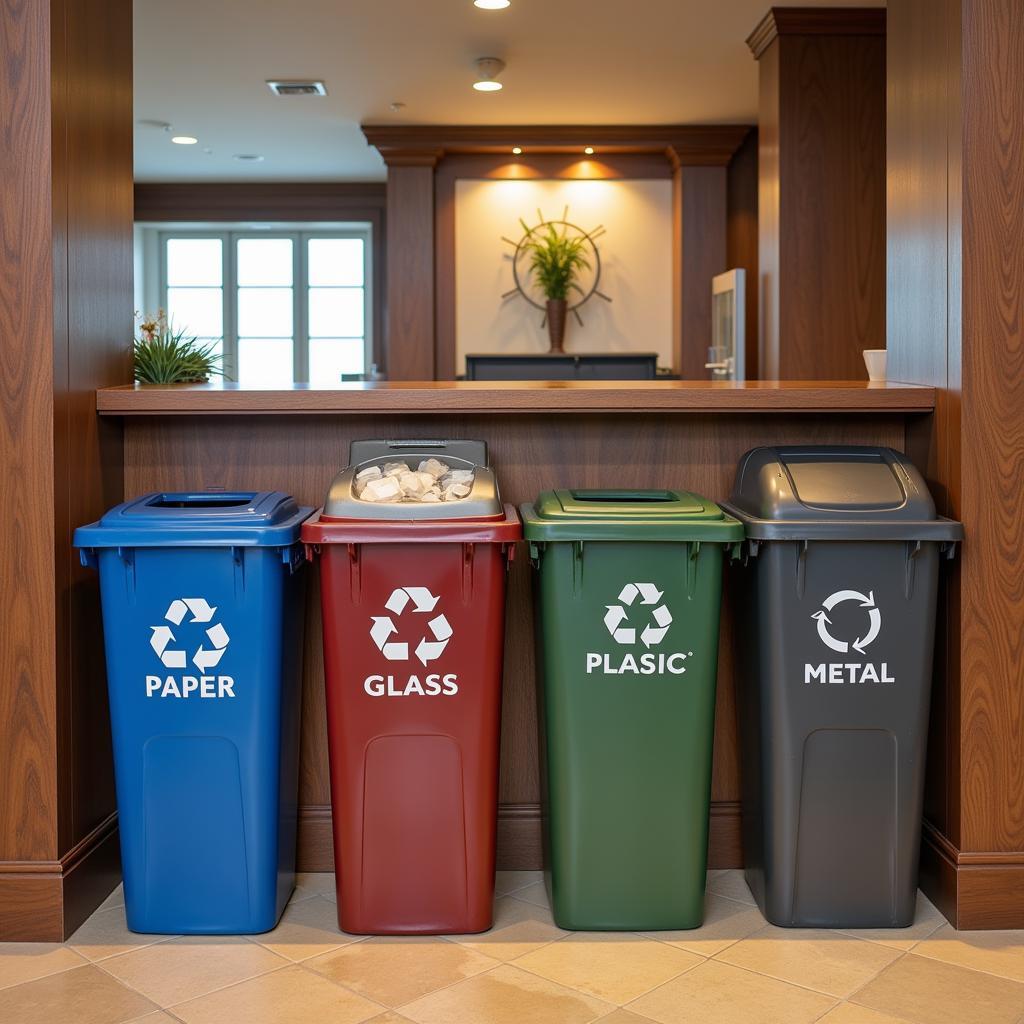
[
  {"x": 614, "y": 966},
  {"x": 396, "y": 970},
  {"x": 999, "y": 953},
  {"x": 926, "y": 919},
  {"x": 171, "y": 972},
  {"x": 307, "y": 928},
  {"x": 715, "y": 993},
  {"x": 930, "y": 992},
  {"x": 621, "y": 1016},
  {"x": 26, "y": 961},
  {"x": 725, "y": 922},
  {"x": 509, "y": 881},
  {"x": 535, "y": 893},
  {"x": 115, "y": 899},
  {"x": 730, "y": 883},
  {"x": 85, "y": 995},
  {"x": 289, "y": 996},
  {"x": 506, "y": 996},
  {"x": 157, "y": 1017},
  {"x": 519, "y": 927},
  {"x": 389, "y": 1017},
  {"x": 106, "y": 933},
  {"x": 848, "y": 1013},
  {"x": 314, "y": 883},
  {"x": 829, "y": 962}
]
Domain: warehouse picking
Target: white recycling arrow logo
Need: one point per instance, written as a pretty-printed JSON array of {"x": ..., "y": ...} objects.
[
  {"x": 383, "y": 627},
  {"x": 865, "y": 601},
  {"x": 205, "y": 657},
  {"x": 654, "y": 631}
]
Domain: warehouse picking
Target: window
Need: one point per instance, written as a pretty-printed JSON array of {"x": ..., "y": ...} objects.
[{"x": 278, "y": 305}]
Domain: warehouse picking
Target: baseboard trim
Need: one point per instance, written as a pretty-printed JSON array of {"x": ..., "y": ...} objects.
[
  {"x": 973, "y": 889},
  {"x": 519, "y": 841},
  {"x": 47, "y": 900}
]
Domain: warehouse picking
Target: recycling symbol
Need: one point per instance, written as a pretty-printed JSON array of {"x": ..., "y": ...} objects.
[
  {"x": 654, "y": 631},
  {"x": 830, "y": 602},
  {"x": 384, "y": 626},
  {"x": 204, "y": 657}
]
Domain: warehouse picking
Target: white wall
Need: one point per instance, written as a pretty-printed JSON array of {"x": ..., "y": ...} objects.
[{"x": 636, "y": 258}]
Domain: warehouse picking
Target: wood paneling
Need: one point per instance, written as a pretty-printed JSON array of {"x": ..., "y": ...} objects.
[
  {"x": 956, "y": 280},
  {"x": 741, "y": 241},
  {"x": 409, "y": 328},
  {"x": 822, "y": 197},
  {"x": 517, "y": 396},
  {"x": 530, "y": 452},
  {"x": 66, "y": 324}
]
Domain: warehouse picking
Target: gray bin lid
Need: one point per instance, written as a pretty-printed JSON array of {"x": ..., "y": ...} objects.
[
  {"x": 847, "y": 492},
  {"x": 483, "y": 500}
]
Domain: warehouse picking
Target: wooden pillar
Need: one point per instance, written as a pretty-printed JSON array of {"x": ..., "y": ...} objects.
[
  {"x": 822, "y": 190},
  {"x": 956, "y": 287},
  {"x": 699, "y": 253},
  {"x": 65, "y": 329},
  {"x": 409, "y": 333}
]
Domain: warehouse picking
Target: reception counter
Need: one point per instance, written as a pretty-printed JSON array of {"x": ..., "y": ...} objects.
[{"x": 686, "y": 434}]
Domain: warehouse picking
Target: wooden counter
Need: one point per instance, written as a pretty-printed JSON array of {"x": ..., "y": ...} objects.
[
  {"x": 539, "y": 436},
  {"x": 517, "y": 397}
]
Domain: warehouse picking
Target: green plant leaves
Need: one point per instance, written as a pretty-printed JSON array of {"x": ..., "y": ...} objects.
[
  {"x": 555, "y": 259},
  {"x": 164, "y": 355}
]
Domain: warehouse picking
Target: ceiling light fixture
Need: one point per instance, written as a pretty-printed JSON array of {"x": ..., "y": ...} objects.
[
  {"x": 184, "y": 140},
  {"x": 487, "y": 70},
  {"x": 517, "y": 150},
  {"x": 589, "y": 150},
  {"x": 249, "y": 158},
  {"x": 297, "y": 86},
  {"x": 491, "y": 5}
]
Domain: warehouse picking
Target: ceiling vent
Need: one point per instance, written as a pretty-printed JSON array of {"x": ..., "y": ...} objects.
[{"x": 295, "y": 87}]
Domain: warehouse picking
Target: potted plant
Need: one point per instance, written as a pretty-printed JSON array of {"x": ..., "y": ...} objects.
[
  {"x": 163, "y": 355},
  {"x": 555, "y": 262}
]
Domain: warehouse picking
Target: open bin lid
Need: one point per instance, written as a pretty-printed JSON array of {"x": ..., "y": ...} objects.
[
  {"x": 478, "y": 517},
  {"x": 198, "y": 519},
  {"x": 848, "y": 492},
  {"x": 628, "y": 515}
]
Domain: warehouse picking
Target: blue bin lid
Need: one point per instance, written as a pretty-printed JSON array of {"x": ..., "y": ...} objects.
[{"x": 198, "y": 519}]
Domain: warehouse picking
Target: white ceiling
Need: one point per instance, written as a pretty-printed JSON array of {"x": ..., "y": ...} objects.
[{"x": 201, "y": 65}]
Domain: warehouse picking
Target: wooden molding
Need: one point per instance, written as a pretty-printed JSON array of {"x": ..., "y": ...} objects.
[
  {"x": 685, "y": 144},
  {"x": 229, "y": 201},
  {"x": 815, "y": 21}
]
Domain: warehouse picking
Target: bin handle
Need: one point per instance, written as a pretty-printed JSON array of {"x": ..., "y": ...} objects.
[
  {"x": 294, "y": 557},
  {"x": 87, "y": 556},
  {"x": 623, "y": 494}
]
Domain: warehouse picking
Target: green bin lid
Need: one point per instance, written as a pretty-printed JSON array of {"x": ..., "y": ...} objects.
[{"x": 631, "y": 515}]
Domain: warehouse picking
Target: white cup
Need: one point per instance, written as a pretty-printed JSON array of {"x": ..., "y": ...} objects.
[{"x": 874, "y": 360}]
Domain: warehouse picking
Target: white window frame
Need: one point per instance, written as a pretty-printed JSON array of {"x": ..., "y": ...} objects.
[{"x": 300, "y": 236}]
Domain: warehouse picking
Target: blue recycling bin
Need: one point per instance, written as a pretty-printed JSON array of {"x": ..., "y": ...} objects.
[{"x": 203, "y": 610}]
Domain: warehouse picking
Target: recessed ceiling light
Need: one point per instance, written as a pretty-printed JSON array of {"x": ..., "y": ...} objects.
[
  {"x": 517, "y": 150},
  {"x": 589, "y": 150},
  {"x": 184, "y": 140},
  {"x": 487, "y": 70},
  {"x": 249, "y": 158},
  {"x": 491, "y": 5}
]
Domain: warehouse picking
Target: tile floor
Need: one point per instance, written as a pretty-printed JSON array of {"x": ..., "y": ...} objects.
[{"x": 733, "y": 970}]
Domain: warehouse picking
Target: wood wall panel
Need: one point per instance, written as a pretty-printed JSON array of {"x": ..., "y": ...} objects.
[
  {"x": 741, "y": 242},
  {"x": 823, "y": 205},
  {"x": 530, "y": 453},
  {"x": 956, "y": 281}
]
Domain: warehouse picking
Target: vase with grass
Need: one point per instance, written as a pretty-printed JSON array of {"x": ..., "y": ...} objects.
[
  {"x": 165, "y": 354},
  {"x": 555, "y": 263}
]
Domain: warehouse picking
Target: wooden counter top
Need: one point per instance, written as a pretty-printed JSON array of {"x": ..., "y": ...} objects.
[{"x": 516, "y": 397}]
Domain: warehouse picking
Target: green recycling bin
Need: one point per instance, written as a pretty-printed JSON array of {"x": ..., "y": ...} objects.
[{"x": 629, "y": 587}]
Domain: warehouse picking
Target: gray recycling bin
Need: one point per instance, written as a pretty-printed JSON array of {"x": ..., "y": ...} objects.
[{"x": 836, "y": 597}]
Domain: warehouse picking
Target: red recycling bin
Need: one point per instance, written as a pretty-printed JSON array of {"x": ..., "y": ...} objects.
[{"x": 413, "y": 600}]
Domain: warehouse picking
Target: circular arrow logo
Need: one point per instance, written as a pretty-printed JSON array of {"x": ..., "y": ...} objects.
[
  {"x": 205, "y": 657},
  {"x": 874, "y": 625},
  {"x": 616, "y": 618},
  {"x": 423, "y": 602}
]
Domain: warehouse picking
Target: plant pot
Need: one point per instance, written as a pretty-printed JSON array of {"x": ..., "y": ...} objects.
[{"x": 556, "y": 310}]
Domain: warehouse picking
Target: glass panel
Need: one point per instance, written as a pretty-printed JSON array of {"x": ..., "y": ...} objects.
[
  {"x": 335, "y": 261},
  {"x": 264, "y": 261},
  {"x": 265, "y": 312},
  {"x": 329, "y": 358},
  {"x": 335, "y": 312},
  {"x": 194, "y": 261},
  {"x": 200, "y": 311},
  {"x": 262, "y": 361}
]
